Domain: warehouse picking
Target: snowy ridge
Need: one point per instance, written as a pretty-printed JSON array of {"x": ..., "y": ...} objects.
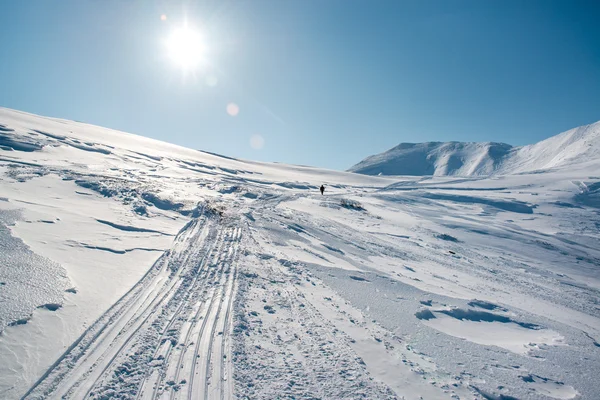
[
  {"x": 136, "y": 269},
  {"x": 576, "y": 146},
  {"x": 436, "y": 158}
]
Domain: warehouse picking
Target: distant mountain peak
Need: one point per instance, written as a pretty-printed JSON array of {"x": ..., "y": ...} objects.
[{"x": 576, "y": 146}]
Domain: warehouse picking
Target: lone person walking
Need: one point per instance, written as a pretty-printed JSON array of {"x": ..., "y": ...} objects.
[{"x": 322, "y": 189}]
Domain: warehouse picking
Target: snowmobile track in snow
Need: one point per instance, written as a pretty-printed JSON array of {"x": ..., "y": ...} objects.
[{"x": 168, "y": 336}]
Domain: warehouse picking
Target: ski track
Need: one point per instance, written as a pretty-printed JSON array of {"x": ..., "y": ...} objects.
[
  {"x": 167, "y": 338},
  {"x": 317, "y": 296},
  {"x": 164, "y": 341}
]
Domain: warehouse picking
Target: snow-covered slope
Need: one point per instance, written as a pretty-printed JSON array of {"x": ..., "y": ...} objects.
[
  {"x": 135, "y": 269},
  {"x": 436, "y": 158},
  {"x": 579, "y": 146},
  {"x": 576, "y": 146}
]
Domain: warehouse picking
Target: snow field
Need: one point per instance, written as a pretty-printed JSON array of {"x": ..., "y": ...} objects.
[{"x": 141, "y": 269}]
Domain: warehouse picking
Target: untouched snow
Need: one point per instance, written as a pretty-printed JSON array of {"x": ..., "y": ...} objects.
[
  {"x": 132, "y": 268},
  {"x": 574, "y": 147}
]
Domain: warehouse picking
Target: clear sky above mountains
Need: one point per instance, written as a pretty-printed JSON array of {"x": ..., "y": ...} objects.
[{"x": 324, "y": 83}]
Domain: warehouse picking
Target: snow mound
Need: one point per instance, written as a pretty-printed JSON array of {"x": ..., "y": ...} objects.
[
  {"x": 489, "y": 329},
  {"x": 577, "y": 146}
]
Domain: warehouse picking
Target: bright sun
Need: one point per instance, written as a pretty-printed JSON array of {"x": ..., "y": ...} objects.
[{"x": 186, "y": 47}]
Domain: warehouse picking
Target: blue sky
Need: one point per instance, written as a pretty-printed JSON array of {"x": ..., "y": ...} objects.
[{"x": 324, "y": 83}]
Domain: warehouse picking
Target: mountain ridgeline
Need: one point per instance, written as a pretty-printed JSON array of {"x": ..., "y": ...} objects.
[{"x": 579, "y": 146}]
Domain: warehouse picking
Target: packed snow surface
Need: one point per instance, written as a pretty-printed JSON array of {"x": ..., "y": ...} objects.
[
  {"x": 132, "y": 268},
  {"x": 575, "y": 147}
]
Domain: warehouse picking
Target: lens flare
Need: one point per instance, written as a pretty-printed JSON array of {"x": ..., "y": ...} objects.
[
  {"x": 257, "y": 142},
  {"x": 233, "y": 109},
  {"x": 212, "y": 80}
]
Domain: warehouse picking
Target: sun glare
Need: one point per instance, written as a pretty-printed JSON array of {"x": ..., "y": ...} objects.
[{"x": 186, "y": 47}]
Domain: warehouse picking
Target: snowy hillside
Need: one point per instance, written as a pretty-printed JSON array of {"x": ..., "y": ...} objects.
[
  {"x": 436, "y": 158},
  {"x": 136, "y": 269},
  {"x": 576, "y": 146}
]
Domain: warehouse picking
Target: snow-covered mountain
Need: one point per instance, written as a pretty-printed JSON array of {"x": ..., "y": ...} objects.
[
  {"x": 136, "y": 269},
  {"x": 576, "y": 146},
  {"x": 436, "y": 158}
]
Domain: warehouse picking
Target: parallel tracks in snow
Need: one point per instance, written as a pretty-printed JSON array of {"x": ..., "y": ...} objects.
[
  {"x": 174, "y": 318},
  {"x": 165, "y": 338},
  {"x": 208, "y": 382}
]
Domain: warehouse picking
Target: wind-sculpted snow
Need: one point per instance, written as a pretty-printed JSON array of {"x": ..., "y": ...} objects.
[
  {"x": 163, "y": 272},
  {"x": 128, "y": 228},
  {"x": 589, "y": 195},
  {"x": 485, "y": 304},
  {"x": 8, "y": 142},
  {"x": 514, "y": 206},
  {"x": 496, "y": 329},
  {"x": 138, "y": 196},
  {"x": 28, "y": 280}
]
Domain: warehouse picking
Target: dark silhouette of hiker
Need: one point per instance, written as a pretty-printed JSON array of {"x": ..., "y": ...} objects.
[{"x": 322, "y": 189}]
